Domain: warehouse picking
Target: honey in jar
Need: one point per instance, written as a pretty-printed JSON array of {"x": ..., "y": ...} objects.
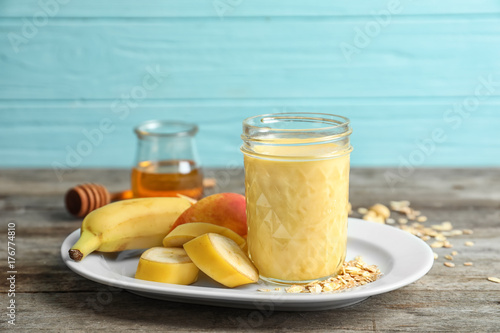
[{"x": 167, "y": 179}]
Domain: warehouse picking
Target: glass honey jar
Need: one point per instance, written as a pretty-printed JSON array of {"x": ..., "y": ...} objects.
[{"x": 167, "y": 161}]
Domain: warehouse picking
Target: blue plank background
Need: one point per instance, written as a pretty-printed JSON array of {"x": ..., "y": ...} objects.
[{"x": 403, "y": 71}]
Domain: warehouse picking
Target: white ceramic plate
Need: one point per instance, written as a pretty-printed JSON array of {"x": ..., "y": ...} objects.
[{"x": 402, "y": 258}]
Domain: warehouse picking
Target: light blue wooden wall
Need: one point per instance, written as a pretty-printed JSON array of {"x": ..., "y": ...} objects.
[{"x": 416, "y": 68}]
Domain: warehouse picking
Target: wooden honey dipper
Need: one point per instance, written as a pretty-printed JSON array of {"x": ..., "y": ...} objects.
[{"x": 84, "y": 198}]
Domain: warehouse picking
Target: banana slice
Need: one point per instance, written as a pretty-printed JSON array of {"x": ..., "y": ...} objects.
[
  {"x": 222, "y": 259},
  {"x": 167, "y": 265},
  {"x": 186, "y": 232}
]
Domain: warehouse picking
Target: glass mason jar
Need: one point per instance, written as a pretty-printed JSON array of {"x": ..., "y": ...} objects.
[
  {"x": 167, "y": 161},
  {"x": 297, "y": 193}
]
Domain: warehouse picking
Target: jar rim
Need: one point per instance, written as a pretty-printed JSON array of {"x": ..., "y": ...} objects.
[
  {"x": 309, "y": 132},
  {"x": 339, "y": 121},
  {"x": 165, "y": 128},
  {"x": 260, "y": 139}
]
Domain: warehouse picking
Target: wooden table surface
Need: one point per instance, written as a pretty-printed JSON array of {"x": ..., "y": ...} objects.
[{"x": 48, "y": 296}]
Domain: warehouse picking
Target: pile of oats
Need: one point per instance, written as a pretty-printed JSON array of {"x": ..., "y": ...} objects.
[
  {"x": 437, "y": 234},
  {"x": 354, "y": 273}
]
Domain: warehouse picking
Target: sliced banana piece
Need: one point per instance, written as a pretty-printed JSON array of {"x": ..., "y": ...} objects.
[
  {"x": 188, "y": 231},
  {"x": 167, "y": 265},
  {"x": 222, "y": 259}
]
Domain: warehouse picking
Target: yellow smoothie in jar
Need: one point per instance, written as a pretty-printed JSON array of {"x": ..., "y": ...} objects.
[{"x": 297, "y": 199}]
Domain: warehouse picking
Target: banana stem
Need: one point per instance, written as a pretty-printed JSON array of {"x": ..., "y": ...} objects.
[{"x": 87, "y": 243}]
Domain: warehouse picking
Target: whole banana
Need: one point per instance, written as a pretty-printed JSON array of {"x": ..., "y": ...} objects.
[{"x": 128, "y": 224}]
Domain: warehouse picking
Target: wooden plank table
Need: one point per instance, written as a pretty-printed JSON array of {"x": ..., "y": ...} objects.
[{"x": 50, "y": 297}]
